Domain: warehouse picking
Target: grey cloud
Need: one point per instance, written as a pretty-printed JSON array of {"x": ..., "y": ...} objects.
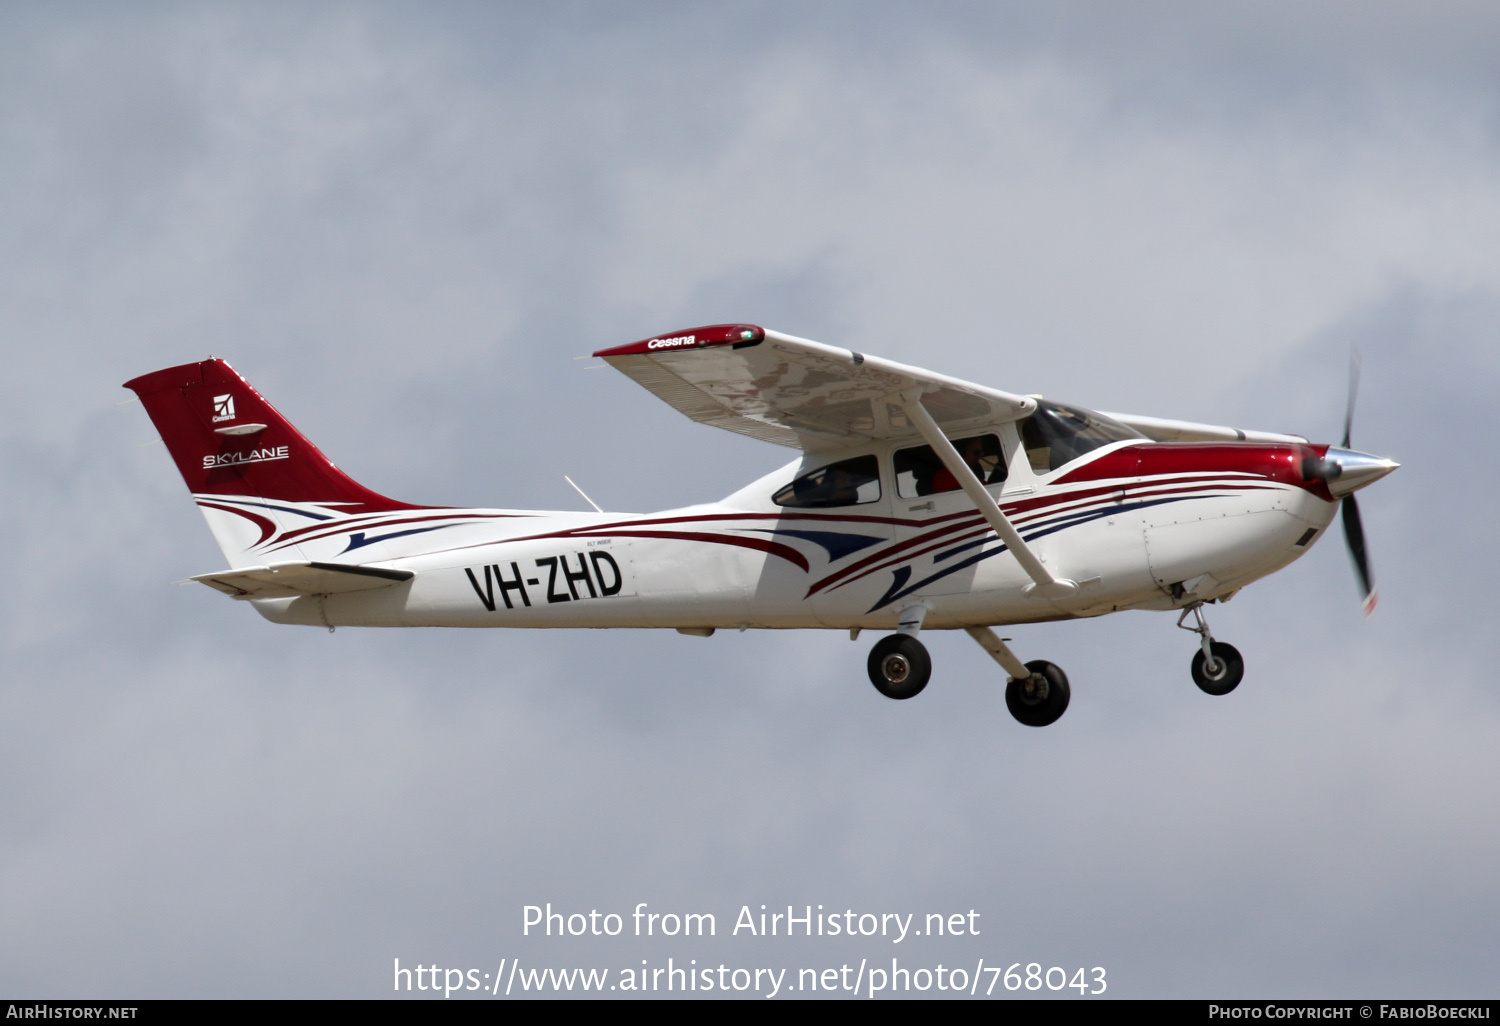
[{"x": 401, "y": 228}]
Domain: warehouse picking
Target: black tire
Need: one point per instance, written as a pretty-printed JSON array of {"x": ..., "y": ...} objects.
[
  {"x": 899, "y": 666},
  {"x": 1044, "y": 704},
  {"x": 1226, "y": 676}
]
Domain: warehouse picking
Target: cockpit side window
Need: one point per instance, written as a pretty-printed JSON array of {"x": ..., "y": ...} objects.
[
  {"x": 1056, "y": 434},
  {"x": 851, "y": 482},
  {"x": 920, "y": 472}
]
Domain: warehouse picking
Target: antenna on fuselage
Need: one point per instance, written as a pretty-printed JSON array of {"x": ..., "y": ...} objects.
[{"x": 580, "y": 491}]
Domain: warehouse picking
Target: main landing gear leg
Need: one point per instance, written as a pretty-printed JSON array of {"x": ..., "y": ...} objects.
[
  {"x": 1217, "y": 665},
  {"x": 899, "y": 664},
  {"x": 1037, "y": 692}
]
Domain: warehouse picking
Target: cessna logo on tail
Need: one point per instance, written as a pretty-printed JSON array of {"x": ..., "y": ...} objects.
[
  {"x": 235, "y": 459},
  {"x": 223, "y": 408}
]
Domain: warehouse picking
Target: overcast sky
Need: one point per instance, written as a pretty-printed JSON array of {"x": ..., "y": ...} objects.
[{"x": 402, "y": 222}]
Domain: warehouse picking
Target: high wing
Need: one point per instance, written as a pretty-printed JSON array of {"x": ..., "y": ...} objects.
[{"x": 799, "y": 393}]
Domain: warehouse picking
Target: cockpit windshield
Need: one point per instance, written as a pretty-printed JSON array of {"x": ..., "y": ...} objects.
[{"x": 1056, "y": 434}]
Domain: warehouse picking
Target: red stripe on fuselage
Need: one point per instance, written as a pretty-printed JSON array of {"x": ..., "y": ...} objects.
[
  {"x": 1054, "y": 506},
  {"x": 1201, "y": 466},
  {"x": 266, "y": 525},
  {"x": 622, "y": 527},
  {"x": 1279, "y": 462},
  {"x": 304, "y": 534},
  {"x": 898, "y": 551},
  {"x": 786, "y": 552}
]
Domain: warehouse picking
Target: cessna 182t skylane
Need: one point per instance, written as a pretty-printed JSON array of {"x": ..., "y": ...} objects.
[{"x": 919, "y": 502}]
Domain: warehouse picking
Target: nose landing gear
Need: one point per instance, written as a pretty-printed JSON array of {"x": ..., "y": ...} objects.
[{"x": 1217, "y": 665}]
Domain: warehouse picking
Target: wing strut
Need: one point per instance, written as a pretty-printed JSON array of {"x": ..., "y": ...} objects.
[{"x": 1046, "y": 585}]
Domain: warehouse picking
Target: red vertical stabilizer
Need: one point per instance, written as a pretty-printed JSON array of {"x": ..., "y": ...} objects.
[{"x": 227, "y": 440}]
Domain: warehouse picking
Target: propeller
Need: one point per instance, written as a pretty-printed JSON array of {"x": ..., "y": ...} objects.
[
  {"x": 1345, "y": 470},
  {"x": 1354, "y": 537},
  {"x": 1354, "y": 530},
  {"x": 1355, "y": 362}
]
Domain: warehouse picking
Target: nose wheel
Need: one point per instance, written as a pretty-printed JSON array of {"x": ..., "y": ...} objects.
[
  {"x": 1220, "y": 673},
  {"x": 1217, "y": 665}
]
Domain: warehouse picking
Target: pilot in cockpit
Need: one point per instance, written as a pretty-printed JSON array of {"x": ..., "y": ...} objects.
[{"x": 981, "y": 463}]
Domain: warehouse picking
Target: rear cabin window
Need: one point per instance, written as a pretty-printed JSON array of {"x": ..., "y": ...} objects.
[
  {"x": 920, "y": 472},
  {"x": 1056, "y": 434},
  {"x": 845, "y": 483}
]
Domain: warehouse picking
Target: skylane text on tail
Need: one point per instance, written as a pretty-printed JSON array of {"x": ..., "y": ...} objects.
[{"x": 918, "y": 502}]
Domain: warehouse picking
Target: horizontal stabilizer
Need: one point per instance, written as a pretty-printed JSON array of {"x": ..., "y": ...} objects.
[
  {"x": 1159, "y": 429},
  {"x": 284, "y": 580}
]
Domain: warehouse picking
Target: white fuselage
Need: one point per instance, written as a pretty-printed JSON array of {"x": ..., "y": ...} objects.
[{"x": 1135, "y": 524}]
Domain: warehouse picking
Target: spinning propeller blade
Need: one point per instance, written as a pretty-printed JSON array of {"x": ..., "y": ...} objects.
[
  {"x": 1354, "y": 536},
  {"x": 1354, "y": 364},
  {"x": 1354, "y": 530}
]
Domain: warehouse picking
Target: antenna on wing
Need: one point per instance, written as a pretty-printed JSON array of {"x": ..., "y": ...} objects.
[{"x": 580, "y": 491}]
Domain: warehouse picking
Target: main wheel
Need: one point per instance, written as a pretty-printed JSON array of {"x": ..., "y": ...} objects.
[
  {"x": 1226, "y": 672},
  {"x": 1041, "y": 699},
  {"x": 899, "y": 666}
]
